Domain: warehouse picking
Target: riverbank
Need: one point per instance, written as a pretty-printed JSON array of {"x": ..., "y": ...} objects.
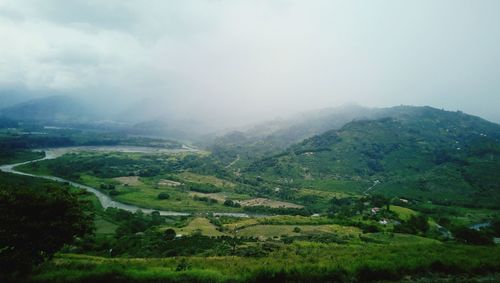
[{"x": 105, "y": 200}]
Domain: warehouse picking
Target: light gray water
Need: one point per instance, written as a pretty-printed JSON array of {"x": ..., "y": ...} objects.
[
  {"x": 104, "y": 199},
  {"x": 480, "y": 226}
]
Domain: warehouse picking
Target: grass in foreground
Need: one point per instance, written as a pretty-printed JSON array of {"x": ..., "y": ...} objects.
[{"x": 298, "y": 262}]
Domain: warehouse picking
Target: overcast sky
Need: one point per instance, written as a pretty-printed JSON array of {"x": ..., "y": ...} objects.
[{"x": 241, "y": 61}]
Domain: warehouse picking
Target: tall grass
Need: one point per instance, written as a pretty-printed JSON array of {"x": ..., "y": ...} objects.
[{"x": 299, "y": 262}]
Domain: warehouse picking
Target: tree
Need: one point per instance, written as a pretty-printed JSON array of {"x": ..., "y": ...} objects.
[
  {"x": 414, "y": 225},
  {"x": 169, "y": 234},
  {"x": 419, "y": 222},
  {"x": 35, "y": 222},
  {"x": 471, "y": 236},
  {"x": 337, "y": 204},
  {"x": 231, "y": 203},
  {"x": 163, "y": 196},
  {"x": 379, "y": 200},
  {"x": 156, "y": 218},
  {"x": 495, "y": 225}
]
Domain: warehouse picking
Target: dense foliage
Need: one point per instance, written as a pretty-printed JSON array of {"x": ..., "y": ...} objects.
[
  {"x": 445, "y": 157},
  {"x": 37, "y": 218},
  {"x": 301, "y": 262}
]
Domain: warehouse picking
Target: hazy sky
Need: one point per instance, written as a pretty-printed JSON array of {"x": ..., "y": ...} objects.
[{"x": 239, "y": 61}]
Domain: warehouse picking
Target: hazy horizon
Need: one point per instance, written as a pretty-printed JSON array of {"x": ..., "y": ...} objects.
[{"x": 234, "y": 63}]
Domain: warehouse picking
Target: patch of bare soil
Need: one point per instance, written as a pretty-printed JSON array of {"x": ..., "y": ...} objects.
[
  {"x": 170, "y": 183},
  {"x": 129, "y": 180},
  {"x": 269, "y": 203}
]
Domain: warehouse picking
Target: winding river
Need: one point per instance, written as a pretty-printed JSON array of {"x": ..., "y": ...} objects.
[{"x": 105, "y": 200}]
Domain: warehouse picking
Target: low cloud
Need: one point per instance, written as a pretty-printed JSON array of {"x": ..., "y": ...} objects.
[{"x": 234, "y": 62}]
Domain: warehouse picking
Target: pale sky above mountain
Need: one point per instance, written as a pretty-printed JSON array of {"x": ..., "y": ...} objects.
[{"x": 240, "y": 61}]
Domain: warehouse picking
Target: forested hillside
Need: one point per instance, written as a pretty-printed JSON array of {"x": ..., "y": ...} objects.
[{"x": 420, "y": 153}]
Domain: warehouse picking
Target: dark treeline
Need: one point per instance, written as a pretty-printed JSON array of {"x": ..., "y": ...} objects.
[{"x": 37, "y": 218}]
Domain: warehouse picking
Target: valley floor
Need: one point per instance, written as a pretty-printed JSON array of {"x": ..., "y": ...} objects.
[{"x": 325, "y": 231}]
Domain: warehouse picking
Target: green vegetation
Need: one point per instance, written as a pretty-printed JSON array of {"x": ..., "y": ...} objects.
[
  {"x": 35, "y": 136},
  {"x": 443, "y": 157},
  {"x": 107, "y": 172},
  {"x": 201, "y": 226},
  {"x": 163, "y": 195},
  {"x": 402, "y": 212},
  {"x": 299, "y": 262},
  {"x": 37, "y": 218},
  {"x": 12, "y": 157},
  {"x": 376, "y": 200}
]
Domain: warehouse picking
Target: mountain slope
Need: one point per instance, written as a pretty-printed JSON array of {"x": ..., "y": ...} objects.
[
  {"x": 420, "y": 152},
  {"x": 58, "y": 108},
  {"x": 274, "y": 136},
  {"x": 12, "y": 97}
]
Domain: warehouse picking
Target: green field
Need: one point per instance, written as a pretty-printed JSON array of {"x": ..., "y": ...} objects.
[
  {"x": 276, "y": 231},
  {"x": 403, "y": 212},
  {"x": 199, "y": 225},
  {"x": 143, "y": 193}
]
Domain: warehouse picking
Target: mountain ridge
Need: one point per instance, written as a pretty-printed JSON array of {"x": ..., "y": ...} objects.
[
  {"x": 418, "y": 152},
  {"x": 263, "y": 140},
  {"x": 55, "y": 108}
]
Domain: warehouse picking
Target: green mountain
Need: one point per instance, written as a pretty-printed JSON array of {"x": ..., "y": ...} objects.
[
  {"x": 272, "y": 137},
  {"x": 418, "y": 152}
]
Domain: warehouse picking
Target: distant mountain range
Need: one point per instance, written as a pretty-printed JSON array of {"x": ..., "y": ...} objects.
[
  {"x": 72, "y": 111},
  {"x": 59, "y": 108},
  {"x": 10, "y": 98}
]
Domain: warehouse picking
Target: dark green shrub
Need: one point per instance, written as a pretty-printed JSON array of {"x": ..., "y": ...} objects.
[
  {"x": 163, "y": 195},
  {"x": 473, "y": 237}
]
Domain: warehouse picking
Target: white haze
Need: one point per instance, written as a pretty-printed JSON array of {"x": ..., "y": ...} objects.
[{"x": 235, "y": 62}]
